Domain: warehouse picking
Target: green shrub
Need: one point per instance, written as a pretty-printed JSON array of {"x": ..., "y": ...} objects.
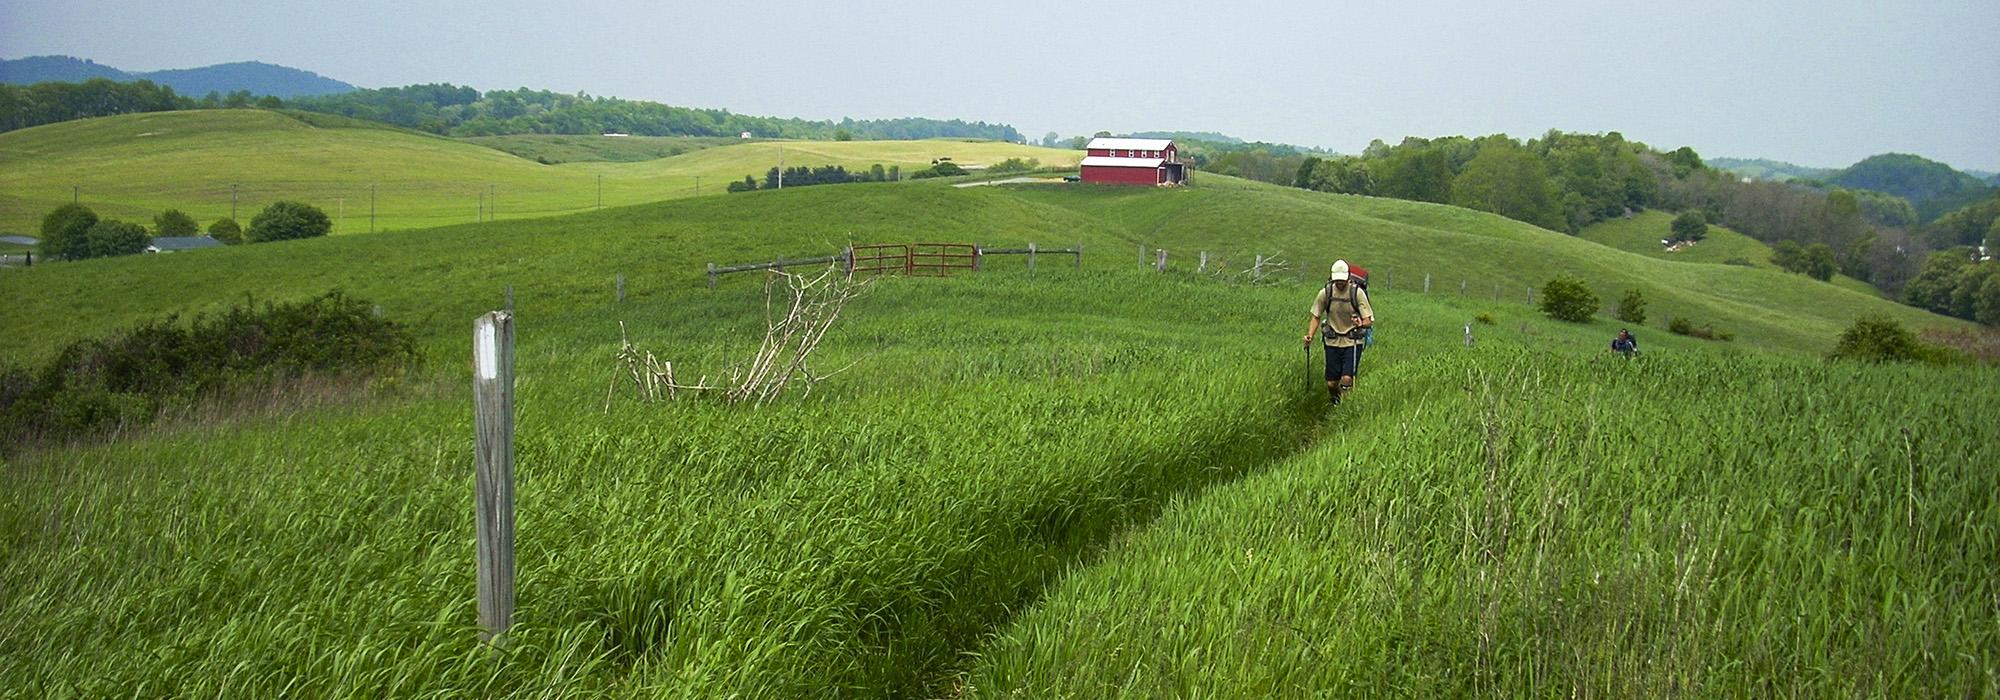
[
  {"x": 111, "y": 237},
  {"x": 1485, "y": 318},
  {"x": 1689, "y": 226},
  {"x": 97, "y": 385},
  {"x": 63, "y": 232},
  {"x": 1566, "y": 298},
  {"x": 1682, "y": 326},
  {"x": 174, "y": 222},
  {"x": 284, "y": 221},
  {"x": 227, "y": 231},
  {"x": 1632, "y": 307},
  {"x": 1882, "y": 339},
  {"x": 1739, "y": 262}
]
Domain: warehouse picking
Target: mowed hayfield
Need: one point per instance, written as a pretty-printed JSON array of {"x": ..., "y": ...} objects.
[
  {"x": 1096, "y": 482},
  {"x": 134, "y": 166}
]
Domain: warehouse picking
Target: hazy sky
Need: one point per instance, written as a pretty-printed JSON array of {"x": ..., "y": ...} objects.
[{"x": 1815, "y": 83}]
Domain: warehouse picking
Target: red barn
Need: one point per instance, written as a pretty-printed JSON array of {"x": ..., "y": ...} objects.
[{"x": 1134, "y": 162}]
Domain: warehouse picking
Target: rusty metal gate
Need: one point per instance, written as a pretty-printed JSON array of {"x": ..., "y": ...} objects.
[{"x": 933, "y": 259}]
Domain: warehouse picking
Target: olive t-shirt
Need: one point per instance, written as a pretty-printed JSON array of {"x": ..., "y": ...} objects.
[{"x": 1342, "y": 318}]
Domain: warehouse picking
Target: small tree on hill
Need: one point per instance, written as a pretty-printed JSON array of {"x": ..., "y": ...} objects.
[
  {"x": 112, "y": 237},
  {"x": 1877, "y": 339},
  {"x": 1819, "y": 262},
  {"x": 1567, "y": 298},
  {"x": 1690, "y": 226},
  {"x": 1789, "y": 256},
  {"x": 63, "y": 229},
  {"x": 174, "y": 222},
  {"x": 284, "y": 221},
  {"x": 1632, "y": 307},
  {"x": 227, "y": 231}
]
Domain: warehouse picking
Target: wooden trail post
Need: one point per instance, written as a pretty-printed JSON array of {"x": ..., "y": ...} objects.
[
  {"x": 1203, "y": 267},
  {"x": 493, "y": 470},
  {"x": 711, "y": 275},
  {"x": 1079, "y": 255},
  {"x": 1427, "y": 283},
  {"x": 1161, "y": 266},
  {"x": 1031, "y": 257},
  {"x": 1257, "y": 269}
]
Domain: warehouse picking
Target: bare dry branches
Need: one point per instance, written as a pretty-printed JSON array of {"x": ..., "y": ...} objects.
[{"x": 811, "y": 307}]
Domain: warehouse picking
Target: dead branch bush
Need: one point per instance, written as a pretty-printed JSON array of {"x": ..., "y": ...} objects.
[{"x": 811, "y": 307}]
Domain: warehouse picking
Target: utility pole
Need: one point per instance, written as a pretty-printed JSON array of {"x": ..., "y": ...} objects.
[
  {"x": 492, "y": 203},
  {"x": 76, "y": 195},
  {"x": 600, "y": 190},
  {"x": 371, "y": 208},
  {"x": 341, "y": 207},
  {"x": 781, "y": 167},
  {"x": 481, "y": 218},
  {"x": 697, "y": 185},
  {"x": 232, "y": 201}
]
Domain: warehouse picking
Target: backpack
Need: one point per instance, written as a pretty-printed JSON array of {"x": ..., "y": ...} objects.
[{"x": 1353, "y": 302}]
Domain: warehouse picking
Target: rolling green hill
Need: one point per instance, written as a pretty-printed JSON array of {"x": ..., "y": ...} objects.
[
  {"x": 133, "y": 166},
  {"x": 1642, "y": 232},
  {"x": 561, "y": 148},
  {"x": 1027, "y": 481}
]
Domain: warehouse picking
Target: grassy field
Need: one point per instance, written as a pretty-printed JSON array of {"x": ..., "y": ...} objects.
[
  {"x": 131, "y": 167},
  {"x": 926, "y": 524},
  {"x": 561, "y": 148},
  {"x": 1641, "y": 233}
]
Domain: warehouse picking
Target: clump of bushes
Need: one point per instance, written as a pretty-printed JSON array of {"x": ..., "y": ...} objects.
[
  {"x": 1689, "y": 226},
  {"x": 1881, "y": 339},
  {"x": 1632, "y": 308},
  {"x": 1566, "y": 298},
  {"x": 125, "y": 380},
  {"x": 1683, "y": 326},
  {"x": 1485, "y": 318}
]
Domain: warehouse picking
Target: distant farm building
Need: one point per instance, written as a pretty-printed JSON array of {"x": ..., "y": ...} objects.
[{"x": 1117, "y": 161}]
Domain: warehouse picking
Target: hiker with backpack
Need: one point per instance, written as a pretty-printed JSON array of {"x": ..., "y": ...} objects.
[
  {"x": 1342, "y": 316},
  {"x": 1624, "y": 344}
]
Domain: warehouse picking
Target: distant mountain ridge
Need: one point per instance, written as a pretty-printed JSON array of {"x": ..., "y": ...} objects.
[
  {"x": 256, "y": 77},
  {"x": 1935, "y": 188}
]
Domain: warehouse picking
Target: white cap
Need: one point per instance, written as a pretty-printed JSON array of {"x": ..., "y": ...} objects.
[{"x": 1339, "y": 269}]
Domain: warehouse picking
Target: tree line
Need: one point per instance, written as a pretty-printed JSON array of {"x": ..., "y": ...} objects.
[
  {"x": 48, "y": 103},
  {"x": 803, "y": 176},
  {"x": 452, "y": 110},
  {"x": 1567, "y": 181},
  {"x": 75, "y": 232}
]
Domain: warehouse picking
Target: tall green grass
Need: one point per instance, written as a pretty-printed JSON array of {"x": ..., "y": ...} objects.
[{"x": 1518, "y": 523}]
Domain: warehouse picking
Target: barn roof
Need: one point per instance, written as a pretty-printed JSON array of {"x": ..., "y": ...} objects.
[
  {"x": 1111, "y": 162},
  {"x": 165, "y": 243},
  {"x": 1130, "y": 144}
]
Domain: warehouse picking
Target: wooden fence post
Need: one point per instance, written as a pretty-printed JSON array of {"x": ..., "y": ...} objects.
[
  {"x": 1257, "y": 270},
  {"x": 619, "y": 285},
  {"x": 1079, "y": 255},
  {"x": 1203, "y": 267},
  {"x": 978, "y": 257},
  {"x": 1427, "y": 283},
  {"x": 493, "y": 469},
  {"x": 847, "y": 261},
  {"x": 1388, "y": 278},
  {"x": 1031, "y": 256},
  {"x": 1531, "y": 295},
  {"x": 1142, "y": 253},
  {"x": 1161, "y": 266},
  {"x": 711, "y": 275},
  {"x": 1496, "y": 294},
  {"x": 510, "y": 299}
]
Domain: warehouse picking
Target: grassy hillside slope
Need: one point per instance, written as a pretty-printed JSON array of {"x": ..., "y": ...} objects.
[
  {"x": 1641, "y": 233},
  {"x": 133, "y": 166},
  {"x": 999, "y": 431}
]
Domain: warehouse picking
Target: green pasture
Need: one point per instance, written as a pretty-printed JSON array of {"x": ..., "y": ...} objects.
[
  {"x": 1030, "y": 484},
  {"x": 563, "y": 148},
  {"x": 134, "y": 166},
  {"x": 1642, "y": 232}
]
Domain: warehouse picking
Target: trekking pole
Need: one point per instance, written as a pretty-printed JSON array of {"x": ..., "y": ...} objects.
[{"x": 1308, "y": 347}]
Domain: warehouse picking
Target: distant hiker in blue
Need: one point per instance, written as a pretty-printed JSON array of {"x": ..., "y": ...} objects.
[
  {"x": 1342, "y": 316},
  {"x": 1624, "y": 344}
]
